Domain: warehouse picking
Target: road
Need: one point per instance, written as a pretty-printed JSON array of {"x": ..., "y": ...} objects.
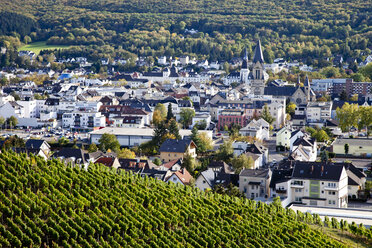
[
  {"x": 350, "y": 215},
  {"x": 273, "y": 154}
]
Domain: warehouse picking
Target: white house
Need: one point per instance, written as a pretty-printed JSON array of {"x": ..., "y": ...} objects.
[
  {"x": 283, "y": 137},
  {"x": 83, "y": 120},
  {"x": 256, "y": 128}
]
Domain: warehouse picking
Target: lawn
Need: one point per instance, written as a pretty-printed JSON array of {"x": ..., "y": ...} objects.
[{"x": 36, "y": 47}]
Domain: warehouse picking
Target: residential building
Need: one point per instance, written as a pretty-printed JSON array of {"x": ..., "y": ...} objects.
[
  {"x": 255, "y": 183},
  {"x": 227, "y": 117},
  {"x": 81, "y": 121},
  {"x": 175, "y": 149},
  {"x": 283, "y": 137},
  {"x": 314, "y": 183},
  {"x": 317, "y": 113}
]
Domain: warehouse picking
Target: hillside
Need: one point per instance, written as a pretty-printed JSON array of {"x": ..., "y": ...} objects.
[
  {"x": 48, "y": 203},
  {"x": 292, "y": 29}
]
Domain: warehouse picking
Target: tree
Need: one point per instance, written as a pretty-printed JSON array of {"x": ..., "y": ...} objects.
[
  {"x": 266, "y": 115},
  {"x": 159, "y": 132},
  {"x": 157, "y": 119},
  {"x": 157, "y": 161},
  {"x": 162, "y": 110},
  {"x": 189, "y": 162},
  {"x": 365, "y": 114},
  {"x": 186, "y": 117},
  {"x": 63, "y": 141},
  {"x": 234, "y": 130},
  {"x": 2, "y": 121},
  {"x": 242, "y": 162},
  {"x": 367, "y": 71},
  {"x": 225, "y": 152},
  {"x": 201, "y": 125},
  {"x": 343, "y": 96},
  {"x": 126, "y": 153},
  {"x": 109, "y": 141},
  {"x": 347, "y": 116},
  {"x": 92, "y": 148},
  {"x": 321, "y": 136},
  {"x": 169, "y": 113},
  {"x": 15, "y": 95},
  {"x": 204, "y": 143},
  {"x": 14, "y": 141},
  {"x": 173, "y": 129},
  {"x": 346, "y": 148},
  {"x": 354, "y": 98},
  {"x": 12, "y": 121},
  {"x": 226, "y": 67},
  {"x": 325, "y": 156},
  {"x": 290, "y": 109}
]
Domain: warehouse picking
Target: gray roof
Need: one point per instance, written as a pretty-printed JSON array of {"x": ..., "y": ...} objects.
[
  {"x": 173, "y": 145},
  {"x": 355, "y": 141},
  {"x": 255, "y": 173},
  {"x": 258, "y": 57},
  {"x": 316, "y": 171},
  {"x": 35, "y": 143}
]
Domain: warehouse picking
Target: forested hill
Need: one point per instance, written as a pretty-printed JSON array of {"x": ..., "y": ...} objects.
[
  {"x": 288, "y": 28},
  {"x": 51, "y": 204}
]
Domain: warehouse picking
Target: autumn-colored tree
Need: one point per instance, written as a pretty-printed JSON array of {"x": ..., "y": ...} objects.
[
  {"x": 242, "y": 162},
  {"x": 126, "y": 153}
]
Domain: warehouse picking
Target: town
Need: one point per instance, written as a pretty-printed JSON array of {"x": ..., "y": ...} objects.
[{"x": 224, "y": 127}]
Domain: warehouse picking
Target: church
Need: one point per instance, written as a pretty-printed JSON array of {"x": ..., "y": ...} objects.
[
  {"x": 257, "y": 77},
  {"x": 253, "y": 77},
  {"x": 298, "y": 94}
]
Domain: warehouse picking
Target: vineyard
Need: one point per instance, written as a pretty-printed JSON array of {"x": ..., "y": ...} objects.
[{"x": 46, "y": 203}]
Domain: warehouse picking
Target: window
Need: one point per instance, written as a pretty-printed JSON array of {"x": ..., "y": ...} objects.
[
  {"x": 298, "y": 190},
  {"x": 332, "y": 185},
  {"x": 332, "y": 193}
]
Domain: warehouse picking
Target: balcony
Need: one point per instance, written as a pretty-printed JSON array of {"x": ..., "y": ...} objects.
[
  {"x": 297, "y": 185},
  {"x": 281, "y": 191},
  {"x": 331, "y": 188}
]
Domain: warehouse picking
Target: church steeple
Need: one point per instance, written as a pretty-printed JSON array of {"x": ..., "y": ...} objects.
[
  {"x": 307, "y": 83},
  {"x": 307, "y": 88},
  {"x": 258, "y": 57},
  {"x": 245, "y": 60}
]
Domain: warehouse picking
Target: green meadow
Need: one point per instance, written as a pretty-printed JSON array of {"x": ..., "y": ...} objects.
[{"x": 36, "y": 47}]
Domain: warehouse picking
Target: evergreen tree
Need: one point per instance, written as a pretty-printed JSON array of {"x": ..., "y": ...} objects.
[
  {"x": 173, "y": 128},
  {"x": 343, "y": 96},
  {"x": 346, "y": 148},
  {"x": 169, "y": 113},
  {"x": 266, "y": 115},
  {"x": 159, "y": 132},
  {"x": 325, "y": 156}
]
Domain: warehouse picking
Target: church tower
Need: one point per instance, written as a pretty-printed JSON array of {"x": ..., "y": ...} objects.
[
  {"x": 244, "y": 72},
  {"x": 307, "y": 89},
  {"x": 257, "y": 75}
]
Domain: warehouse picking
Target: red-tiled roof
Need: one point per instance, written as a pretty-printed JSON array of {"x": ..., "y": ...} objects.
[
  {"x": 108, "y": 161},
  {"x": 184, "y": 176},
  {"x": 169, "y": 164}
]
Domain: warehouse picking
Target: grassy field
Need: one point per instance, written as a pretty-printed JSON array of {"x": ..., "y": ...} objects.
[
  {"x": 345, "y": 238},
  {"x": 36, "y": 47}
]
